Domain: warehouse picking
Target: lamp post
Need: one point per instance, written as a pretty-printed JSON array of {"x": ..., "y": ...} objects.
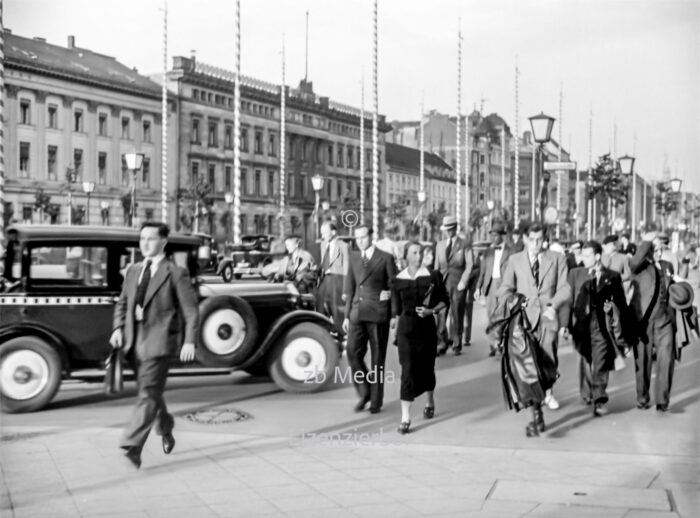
[
  {"x": 133, "y": 164},
  {"x": 541, "y": 126},
  {"x": 317, "y": 183},
  {"x": 104, "y": 212},
  {"x": 490, "y": 205},
  {"x": 626, "y": 164},
  {"x": 228, "y": 198},
  {"x": 422, "y": 196},
  {"x": 71, "y": 177},
  {"x": 88, "y": 188}
]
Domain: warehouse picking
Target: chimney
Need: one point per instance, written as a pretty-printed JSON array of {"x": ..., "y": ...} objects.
[
  {"x": 37, "y": 38},
  {"x": 71, "y": 42}
]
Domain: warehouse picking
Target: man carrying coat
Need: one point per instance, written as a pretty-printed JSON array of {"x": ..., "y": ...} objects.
[
  {"x": 156, "y": 296},
  {"x": 454, "y": 260},
  {"x": 595, "y": 290},
  {"x": 335, "y": 261}
]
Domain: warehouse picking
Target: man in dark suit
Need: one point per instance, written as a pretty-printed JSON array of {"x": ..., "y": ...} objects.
[
  {"x": 651, "y": 278},
  {"x": 454, "y": 260},
  {"x": 334, "y": 264},
  {"x": 367, "y": 315},
  {"x": 156, "y": 296},
  {"x": 595, "y": 290},
  {"x": 491, "y": 272}
]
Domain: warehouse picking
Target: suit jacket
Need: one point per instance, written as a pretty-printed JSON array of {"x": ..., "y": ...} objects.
[
  {"x": 552, "y": 289},
  {"x": 302, "y": 263},
  {"x": 457, "y": 267},
  {"x": 619, "y": 263},
  {"x": 363, "y": 286},
  {"x": 339, "y": 261},
  {"x": 588, "y": 302},
  {"x": 170, "y": 304},
  {"x": 643, "y": 283},
  {"x": 486, "y": 269}
]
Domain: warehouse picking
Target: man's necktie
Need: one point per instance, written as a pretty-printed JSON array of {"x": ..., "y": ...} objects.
[
  {"x": 143, "y": 285},
  {"x": 448, "y": 250},
  {"x": 325, "y": 261},
  {"x": 536, "y": 270},
  {"x": 365, "y": 259}
]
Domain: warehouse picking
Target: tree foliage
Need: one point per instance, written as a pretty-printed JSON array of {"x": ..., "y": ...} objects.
[
  {"x": 607, "y": 182},
  {"x": 195, "y": 201}
]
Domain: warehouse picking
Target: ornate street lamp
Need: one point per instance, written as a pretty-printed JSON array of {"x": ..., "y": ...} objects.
[
  {"x": 317, "y": 182},
  {"x": 228, "y": 198},
  {"x": 542, "y": 133},
  {"x": 675, "y": 184},
  {"x": 133, "y": 164},
  {"x": 88, "y": 188}
]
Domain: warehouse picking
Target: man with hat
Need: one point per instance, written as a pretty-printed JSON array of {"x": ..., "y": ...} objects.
[
  {"x": 651, "y": 279},
  {"x": 491, "y": 272},
  {"x": 614, "y": 260},
  {"x": 454, "y": 260}
]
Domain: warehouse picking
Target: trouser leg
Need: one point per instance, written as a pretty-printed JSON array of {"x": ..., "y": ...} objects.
[
  {"x": 642, "y": 368},
  {"x": 378, "y": 333},
  {"x": 665, "y": 363},
  {"x": 356, "y": 351}
]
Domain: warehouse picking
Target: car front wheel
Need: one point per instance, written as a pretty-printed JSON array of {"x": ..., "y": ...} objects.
[
  {"x": 228, "y": 331},
  {"x": 305, "y": 359},
  {"x": 227, "y": 273},
  {"x": 30, "y": 374}
]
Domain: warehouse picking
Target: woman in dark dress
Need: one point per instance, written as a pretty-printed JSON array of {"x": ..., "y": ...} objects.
[{"x": 417, "y": 294}]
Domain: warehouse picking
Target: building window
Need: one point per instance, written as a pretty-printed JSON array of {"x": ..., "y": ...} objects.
[
  {"x": 271, "y": 145},
  {"x": 24, "y": 159},
  {"x": 195, "y": 94},
  {"x": 244, "y": 224},
  {"x": 146, "y": 172},
  {"x": 25, "y": 107},
  {"x": 212, "y": 177},
  {"x": 340, "y": 189},
  {"x": 271, "y": 184},
  {"x": 292, "y": 148},
  {"x": 102, "y": 168},
  {"x": 78, "y": 120},
  {"x": 125, "y": 173},
  {"x": 291, "y": 185},
  {"x": 330, "y": 154},
  {"x": 195, "y": 131},
  {"x": 51, "y": 162},
  {"x": 228, "y": 171},
  {"x": 339, "y": 161},
  {"x": 146, "y": 131},
  {"x": 258, "y": 142},
  {"x": 318, "y": 151},
  {"x": 27, "y": 213},
  {"x": 149, "y": 214},
  {"x": 195, "y": 173},
  {"x": 329, "y": 188},
  {"x": 78, "y": 162},
  {"x": 257, "y": 186},
  {"x": 102, "y": 124},
  {"x": 244, "y": 139},
  {"x": 213, "y": 134},
  {"x": 481, "y": 179},
  {"x": 228, "y": 137},
  {"x": 126, "y": 128},
  {"x": 53, "y": 116},
  {"x": 350, "y": 155},
  {"x": 304, "y": 148},
  {"x": 244, "y": 181}
]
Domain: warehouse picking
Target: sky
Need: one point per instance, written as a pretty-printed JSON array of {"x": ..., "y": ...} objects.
[{"x": 633, "y": 64}]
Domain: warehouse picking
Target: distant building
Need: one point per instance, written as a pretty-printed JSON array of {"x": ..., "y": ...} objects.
[{"x": 73, "y": 110}]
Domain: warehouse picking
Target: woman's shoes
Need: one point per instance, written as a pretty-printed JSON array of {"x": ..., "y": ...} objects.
[
  {"x": 404, "y": 427},
  {"x": 429, "y": 412}
]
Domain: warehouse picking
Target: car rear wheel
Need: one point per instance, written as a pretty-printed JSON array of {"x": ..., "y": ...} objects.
[
  {"x": 304, "y": 359},
  {"x": 30, "y": 374},
  {"x": 227, "y": 273},
  {"x": 228, "y": 331}
]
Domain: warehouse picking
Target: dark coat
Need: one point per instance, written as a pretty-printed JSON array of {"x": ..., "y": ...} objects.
[
  {"x": 621, "y": 320},
  {"x": 363, "y": 286},
  {"x": 486, "y": 270},
  {"x": 643, "y": 283}
]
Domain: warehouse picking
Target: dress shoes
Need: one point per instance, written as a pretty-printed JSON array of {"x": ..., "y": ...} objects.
[
  {"x": 492, "y": 350},
  {"x": 643, "y": 406},
  {"x": 531, "y": 430},
  {"x": 361, "y": 404},
  {"x": 587, "y": 401},
  {"x": 551, "y": 401},
  {"x": 404, "y": 427},
  {"x": 662, "y": 408},
  {"x": 134, "y": 456},
  {"x": 374, "y": 409},
  {"x": 599, "y": 410},
  {"x": 168, "y": 443},
  {"x": 429, "y": 412},
  {"x": 457, "y": 349}
]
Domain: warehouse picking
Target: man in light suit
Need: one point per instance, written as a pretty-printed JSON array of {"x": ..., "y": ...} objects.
[
  {"x": 493, "y": 265},
  {"x": 367, "y": 314},
  {"x": 614, "y": 260},
  {"x": 541, "y": 276},
  {"x": 454, "y": 260},
  {"x": 335, "y": 261},
  {"x": 296, "y": 264},
  {"x": 156, "y": 297}
]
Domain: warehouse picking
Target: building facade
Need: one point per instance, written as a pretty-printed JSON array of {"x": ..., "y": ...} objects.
[
  {"x": 322, "y": 138},
  {"x": 70, "y": 116}
]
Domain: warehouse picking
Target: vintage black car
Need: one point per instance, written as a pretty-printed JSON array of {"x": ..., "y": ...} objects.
[
  {"x": 251, "y": 256},
  {"x": 59, "y": 289}
]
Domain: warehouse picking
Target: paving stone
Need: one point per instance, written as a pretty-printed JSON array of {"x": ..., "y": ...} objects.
[
  {"x": 574, "y": 511},
  {"x": 384, "y": 510}
]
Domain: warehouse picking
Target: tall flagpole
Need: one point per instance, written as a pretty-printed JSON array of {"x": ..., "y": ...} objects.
[
  {"x": 237, "y": 130},
  {"x": 561, "y": 112},
  {"x": 362, "y": 147},
  {"x": 458, "y": 146},
  {"x": 591, "y": 204},
  {"x": 516, "y": 173},
  {"x": 633, "y": 220},
  {"x": 533, "y": 187},
  {"x": 2, "y": 126},
  {"x": 375, "y": 133},
  {"x": 467, "y": 174},
  {"x": 283, "y": 141},
  {"x": 164, "y": 123}
]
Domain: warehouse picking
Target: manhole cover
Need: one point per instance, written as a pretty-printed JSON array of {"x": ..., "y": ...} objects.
[{"x": 224, "y": 416}]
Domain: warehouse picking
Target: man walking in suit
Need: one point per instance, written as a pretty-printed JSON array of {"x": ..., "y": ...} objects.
[
  {"x": 335, "y": 261},
  {"x": 367, "y": 314},
  {"x": 296, "y": 264},
  {"x": 156, "y": 295},
  {"x": 595, "y": 290},
  {"x": 454, "y": 261},
  {"x": 614, "y": 260},
  {"x": 651, "y": 278},
  {"x": 491, "y": 272},
  {"x": 541, "y": 276}
]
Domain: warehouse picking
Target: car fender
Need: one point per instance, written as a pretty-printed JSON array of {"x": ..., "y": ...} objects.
[
  {"x": 281, "y": 326},
  {"x": 45, "y": 334},
  {"x": 222, "y": 264}
]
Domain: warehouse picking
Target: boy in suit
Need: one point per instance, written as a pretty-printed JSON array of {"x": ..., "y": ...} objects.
[{"x": 156, "y": 295}]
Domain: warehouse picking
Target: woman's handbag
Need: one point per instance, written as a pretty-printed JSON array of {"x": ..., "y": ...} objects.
[{"x": 114, "y": 377}]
